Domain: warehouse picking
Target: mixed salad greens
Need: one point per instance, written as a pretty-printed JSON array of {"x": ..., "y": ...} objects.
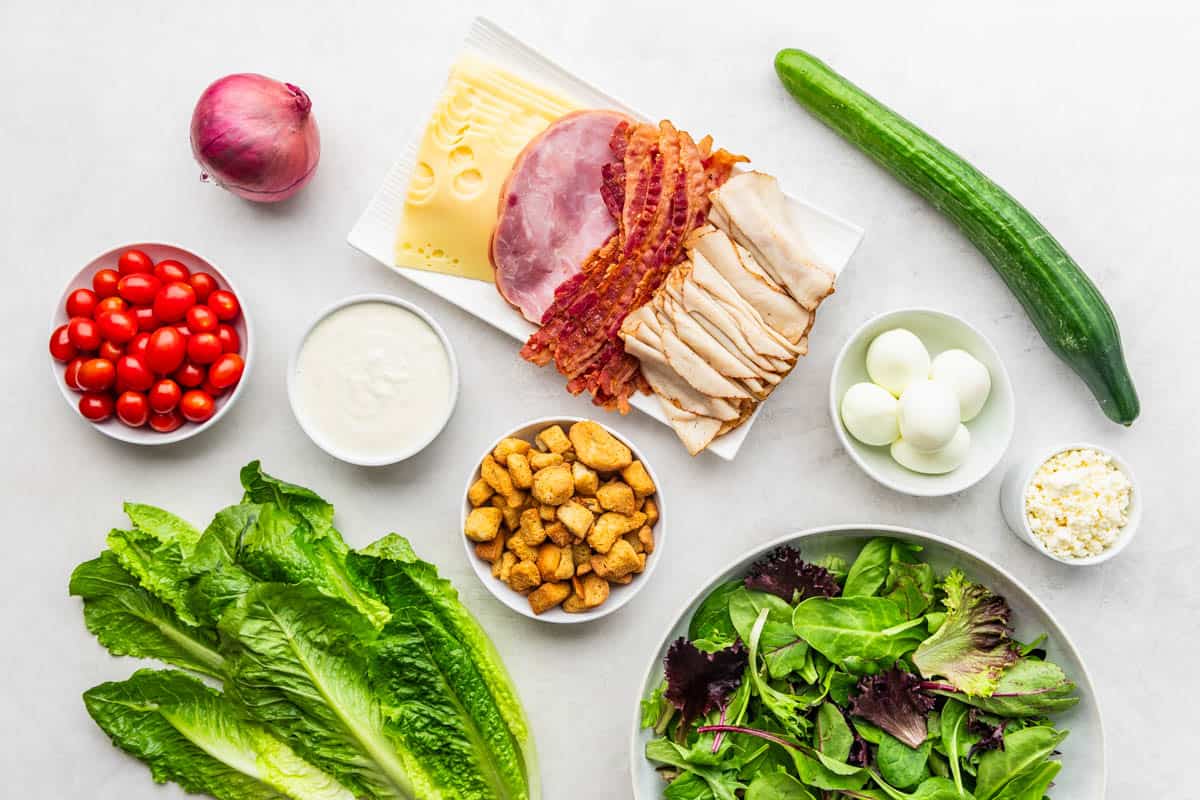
[
  {"x": 873, "y": 681},
  {"x": 344, "y": 674}
]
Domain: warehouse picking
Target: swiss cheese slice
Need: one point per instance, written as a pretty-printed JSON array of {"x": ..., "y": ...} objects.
[{"x": 482, "y": 121}]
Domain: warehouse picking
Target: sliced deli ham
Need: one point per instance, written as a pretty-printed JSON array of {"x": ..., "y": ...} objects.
[{"x": 552, "y": 213}]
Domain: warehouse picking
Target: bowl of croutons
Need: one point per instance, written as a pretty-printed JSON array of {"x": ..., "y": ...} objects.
[{"x": 562, "y": 520}]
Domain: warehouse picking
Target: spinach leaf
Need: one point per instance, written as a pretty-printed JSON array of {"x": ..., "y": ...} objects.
[
  {"x": 1029, "y": 688},
  {"x": 777, "y": 786},
  {"x": 711, "y": 623},
  {"x": 833, "y": 734},
  {"x": 1032, "y": 783},
  {"x": 910, "y": 586},
  {"x": 860, "y": 634},
  {"x": 869, "y": 570},
  {"x": 788, "y": 709},
  {"x": 1023, "y": 751},
  {"x": 722, "y": 785},
  {"x": 901, "y": 765},
  {"x": 956, "y": 739},
  {"x": 688, "y": 786},
  {"x": 782, "y": 650},
  {"x": 930, "y": 789}
]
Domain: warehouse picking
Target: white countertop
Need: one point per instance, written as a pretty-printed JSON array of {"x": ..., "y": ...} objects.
[{"x": 1089, "y": 120}]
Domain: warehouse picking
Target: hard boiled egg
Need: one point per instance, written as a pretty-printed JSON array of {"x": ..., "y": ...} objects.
[
  {"x": 896, "y": 358},
  {"x": 870, "y": 414},
  {"x": 929, "y": 414},
  {"x": 939, "y": 462},
  {"x": 967, "y": 377}
]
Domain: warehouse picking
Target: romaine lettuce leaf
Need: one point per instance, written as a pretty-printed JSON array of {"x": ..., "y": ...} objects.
[
  {"x": 128, "y": 620},
  {"x": 298, "y": 665},
  {"x": 189, "y": 734},
  {"x": 155, "y": 552}
]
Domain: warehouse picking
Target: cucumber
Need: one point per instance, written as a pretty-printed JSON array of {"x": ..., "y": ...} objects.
[{"x": 1063, "y": 303}]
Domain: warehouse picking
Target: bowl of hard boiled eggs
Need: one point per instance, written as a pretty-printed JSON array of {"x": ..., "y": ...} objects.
[{"x": 922, "y": 402}]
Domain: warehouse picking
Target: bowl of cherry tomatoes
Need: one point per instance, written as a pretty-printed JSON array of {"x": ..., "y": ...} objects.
[{"x": 150, "y": 343}]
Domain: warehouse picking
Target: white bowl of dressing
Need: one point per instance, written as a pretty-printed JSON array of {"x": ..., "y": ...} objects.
[{"x": 373, "y": 380}]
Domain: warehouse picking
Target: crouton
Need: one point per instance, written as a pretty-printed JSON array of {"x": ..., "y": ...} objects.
[
  {"x": 531, "y": 527},
  {"x": 574, "y": 604},
  {"x": 598, "y": 448},
  {"x": 595, "y": 590},
  {"x": 521, "y": 548},
  {"x": 502, "y": 568},
  {"x": 517, "y": 499},
  {"x": 634, "y": 542},
  {"x": 558, "y": 533},
  {"x": 512, "y": 516},
  {"x": 619, "y": 562},
  {"x": 616, "y": 496},
  {"x": 638, "y": 479},
  {"x": 547, "y": 596},
  {"x": 490, "y": 551},
  {"x": 548, "y": 556},
  {"x": 586, "y": 480},
  {"x": 483, "y": 524},
  {"x": 519, "y": 471},
  {"x": 624, "y": 580},
  {"x": 553, "y": 440},
  {"x": 553, "y": 485},
  {"x": 591, "y": 504},
  {"x": 524, "y": 576},
  {"x": 566, "y": 565},
  {"x": 479, "y": 493},
  {"x": 509, "y": 446},
  {"x": 650, "y": 509},
  {"x": 540, "y": 460},
  {"x": 641, "y": 567},
  {"x": 548, "y": 513},
  {"x": 575, "y": 517},
  {"x": 612, "y": 526},
  {"x": 496, "y": 476},
  {"x": 646, "y": 537}
]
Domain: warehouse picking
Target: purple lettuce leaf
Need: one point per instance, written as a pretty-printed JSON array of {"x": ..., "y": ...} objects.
[
  {"x": 991, "y": 737},
  {"x": 698, "y": 682},
  {"x": 894, "y": 701},
  {"x": 784, "y": 574}
]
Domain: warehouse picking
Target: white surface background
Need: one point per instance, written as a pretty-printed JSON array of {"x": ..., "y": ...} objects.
[{"x": 1089, "y": 117}]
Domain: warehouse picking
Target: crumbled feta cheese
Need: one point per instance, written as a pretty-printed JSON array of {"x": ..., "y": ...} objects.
[{"x": 1077, "y": 503}]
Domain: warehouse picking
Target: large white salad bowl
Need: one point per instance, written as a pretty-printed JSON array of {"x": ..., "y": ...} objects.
[{"x": 1084, "y": 771}]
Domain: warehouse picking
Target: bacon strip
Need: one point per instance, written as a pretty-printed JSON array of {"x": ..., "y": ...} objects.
[{"x": 656, "y": 187}]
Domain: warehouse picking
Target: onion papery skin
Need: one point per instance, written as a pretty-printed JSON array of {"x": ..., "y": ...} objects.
[{"x": 256, "y": 136}]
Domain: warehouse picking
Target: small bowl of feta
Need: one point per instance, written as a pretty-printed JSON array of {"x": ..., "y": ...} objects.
[
  {"x": 921, "y": 401},
  {"x": 1077, "y": 504}
]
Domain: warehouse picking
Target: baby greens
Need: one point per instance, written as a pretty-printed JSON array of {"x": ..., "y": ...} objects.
[
  {"x": 873, "y": 681},
  {"x": 344, "y": 674}
]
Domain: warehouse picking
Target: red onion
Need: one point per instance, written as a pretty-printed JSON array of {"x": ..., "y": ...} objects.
[{"x": 256, "y": 137}]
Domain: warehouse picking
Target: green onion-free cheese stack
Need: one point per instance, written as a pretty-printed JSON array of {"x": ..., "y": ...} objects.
[{"x": 917, "y": 405}]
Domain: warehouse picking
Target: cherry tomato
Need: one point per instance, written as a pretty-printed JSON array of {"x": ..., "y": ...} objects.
[
  {"x": 196, "y": 405},
  {"x": 203, "y": 348},
  {"x": 230, "y": 341},
  {"x": 81, "y": 303},
  {"x": 133, "y": 262},
  {"x": 173, "y": 300},
  {"x": 184, "y": 330},
  {"x": 139, "y": 289},
  {"x": 133, "y": 409},
  {"x": 164, "y": 395},
  {"x": 170, "y": 270},
  {"x": 133, "y": 373},
  {"x": 96, "y": 406},
  {"x": 117, "y": 326},
  {"x": 212, "y": 391},
  {"x": 224, "y": 304},
  {"x": 165, "y": 423},
  {"x": 84, "y": 333},
  {"x": 110, "y": 351},
  {"x": 165, "y": 351},
  {"x": 190, "y": 375},
  {"x": 138, "y": 345},
  {"x": 204, "y": 285},
  {"x": 61, "y": 346},
  {"x": 146, "y": 321},
  {"x": 201, "y": 319},
  {"x": 226, "y": 370},
  {"x": 105, "y": 281},
  {"x": 71, "y": 373},
  {"x": 96, "y": 375},
  {"x": 108, "y": 305}
]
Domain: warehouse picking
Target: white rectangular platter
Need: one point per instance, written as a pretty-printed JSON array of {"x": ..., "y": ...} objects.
[{"x": 832, "y": 240}]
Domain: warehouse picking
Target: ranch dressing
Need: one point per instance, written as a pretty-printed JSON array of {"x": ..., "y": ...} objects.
[{"x": 372, "y": 381}]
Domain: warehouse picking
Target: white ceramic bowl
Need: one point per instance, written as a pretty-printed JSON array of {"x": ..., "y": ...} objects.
[
  {"x": 991, "y": 431},
  {"x": 402, "y": 454},
  {"x": 618, "y": 595},
  {"x": 158, "y": 251},
  {"x": 1012, "y": 503},
  {"x": 1084, "y": 773}
]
